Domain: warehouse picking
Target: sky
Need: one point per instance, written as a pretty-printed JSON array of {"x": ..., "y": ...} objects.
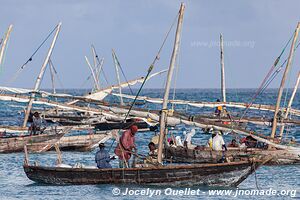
[{"x": 254, "y": 33}]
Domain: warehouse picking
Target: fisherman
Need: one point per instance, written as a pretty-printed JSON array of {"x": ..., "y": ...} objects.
[
  {"x": 126, "y": 145},
  {"x": 210, "y": 140},
  {"x": 233, "y": 143},
  {"x": 248, "y": 142},
  {"x": 152, "y": 149},
  {"x": 102, "y": 157},
  {"x": 218, "y": 143},
  {"x": 36, "y": 123},
  {"x": 178, "y": 141},
  {"x": 293, "y": 140},
  {"x": 171, "y": 142},
  {"x": 219, "y": 109},
  {"x": 188, "y": 139}
]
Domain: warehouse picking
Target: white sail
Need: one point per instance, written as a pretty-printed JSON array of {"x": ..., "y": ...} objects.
[{"x": 101, "y": 94}]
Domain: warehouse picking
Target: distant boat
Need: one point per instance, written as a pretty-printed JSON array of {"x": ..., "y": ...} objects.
[
  {"x": 279, "y": 157},
  {"x": 36, "y": 143}
]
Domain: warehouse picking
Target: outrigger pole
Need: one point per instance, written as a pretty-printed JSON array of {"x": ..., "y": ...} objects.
[
  {"x": 287, "y": 69},
  {"x": 222, "y": 70},
  {"x": 39, "y": 79},
  {"x": 163, "y": 116},
  {"x": 290, "y": 105}
]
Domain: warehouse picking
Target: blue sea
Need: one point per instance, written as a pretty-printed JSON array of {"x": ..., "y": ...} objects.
[{"x": 284, "y": 180}]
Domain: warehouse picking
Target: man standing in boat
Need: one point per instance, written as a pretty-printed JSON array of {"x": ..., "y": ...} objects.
[
  {"x": 37, "y": 123},
  {"x": 125, "y": 146},
  {"x": 102, "y": 157}
]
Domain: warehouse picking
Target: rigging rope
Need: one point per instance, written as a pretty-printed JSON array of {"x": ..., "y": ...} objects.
[
  {"x": 266, "y": 79},
  {"x": 151, "y": 66},
  {"x": 57, "y": 76},
  {"x": 30, "y": 58}
]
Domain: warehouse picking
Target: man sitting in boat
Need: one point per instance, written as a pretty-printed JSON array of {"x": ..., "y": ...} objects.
[
  {"x": 125, "y": 146},
  {"x": 152, "y": 155},
  {"x": 152, "y": 158},
  {"x": 188, "y": 139},
  {"x": 102, "y": 157},
  {"x": 219, "y": 109},
  {"x": 233, "y": 143},
  {"x": 248, "y": 142}
]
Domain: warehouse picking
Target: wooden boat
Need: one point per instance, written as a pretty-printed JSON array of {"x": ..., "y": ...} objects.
[
  {"x": 36, "y": 143},
  {"x": 206, "y": 155},
  {"x": 82, "y": 142},
  {"x": 221, "y": 174}
]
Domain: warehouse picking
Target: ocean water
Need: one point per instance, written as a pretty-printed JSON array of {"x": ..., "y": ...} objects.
[{"x": 284, "y": 179}]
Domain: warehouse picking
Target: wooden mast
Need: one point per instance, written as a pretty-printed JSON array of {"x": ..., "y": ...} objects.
[
  {"x": 287, "y": 69},
  {"x": 97, "y": 70},
  {"x": 39, "y": 79},
  {"x": 164, "y": 110},
  {"x": 96, "y": 85},
  {"x": 222, "y": 70},
  {"x": 5, "y": 43},
  {"x": 290, "y": 104},
  {"x": 118, "y": 76}
]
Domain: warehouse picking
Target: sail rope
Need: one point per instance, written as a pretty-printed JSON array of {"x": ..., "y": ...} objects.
[
  {"x": 266, "y": 79},
  {"x": 56, "y": 74},
  {"x": 30, "y": 58},
  {"x": 149, "y": 71},
  {"x": 157, "y": 57}
]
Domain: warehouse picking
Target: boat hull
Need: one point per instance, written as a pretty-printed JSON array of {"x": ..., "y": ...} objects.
[
  {"x": 81, "y": 142},
  {"x": 279, "y": 157},
  {"x": 35, "y": 143},
  {"x": 222, "y": 174}
]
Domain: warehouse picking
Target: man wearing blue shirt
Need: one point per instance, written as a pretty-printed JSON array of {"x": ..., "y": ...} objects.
[{"x": 102, "y": 157}]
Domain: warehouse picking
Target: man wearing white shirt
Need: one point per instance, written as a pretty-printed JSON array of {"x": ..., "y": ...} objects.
[{"x": 218, "y": 142}]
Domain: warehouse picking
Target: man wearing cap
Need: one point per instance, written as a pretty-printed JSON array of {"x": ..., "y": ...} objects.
[
  {"x": 102, "y": 157},
  {"x": 126, "y": 145}
]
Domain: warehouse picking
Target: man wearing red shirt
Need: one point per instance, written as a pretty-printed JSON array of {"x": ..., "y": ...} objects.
[{"x": 125, "y": 146}]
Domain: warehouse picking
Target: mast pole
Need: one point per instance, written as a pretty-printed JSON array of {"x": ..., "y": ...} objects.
[
  {"x": 290, "y": 104},
  {"x": 95, "y": 64},
  {"x": 164, "y": 110},
  {"x": 93, "y": 73},
  {"x": 222, "y": 70},
  {"x": 39, "y": 79},
  {"x": 118, "y": 77},
  {"x": 287, "y": 69},
  {"x": 5, "y": 43}
]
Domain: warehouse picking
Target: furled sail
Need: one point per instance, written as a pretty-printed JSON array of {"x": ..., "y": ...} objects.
[{"x": 209, "y": 104}]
